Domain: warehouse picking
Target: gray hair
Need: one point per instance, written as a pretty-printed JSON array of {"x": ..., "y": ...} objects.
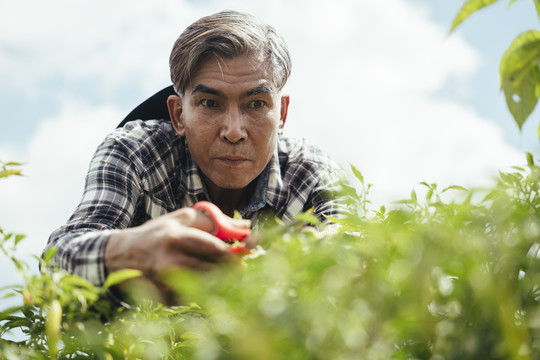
[{"x": 227, "y": 34}]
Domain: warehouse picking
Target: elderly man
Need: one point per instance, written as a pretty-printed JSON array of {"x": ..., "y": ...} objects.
[{"x": 223, "y": 144}]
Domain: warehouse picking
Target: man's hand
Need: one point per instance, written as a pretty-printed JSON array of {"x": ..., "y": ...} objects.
[{"x": 179, "y": 239}]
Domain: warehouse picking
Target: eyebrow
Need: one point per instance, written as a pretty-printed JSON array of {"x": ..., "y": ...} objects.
[
  {"x": 207, "y": 90},
  {"x": 261, "y": 89}
]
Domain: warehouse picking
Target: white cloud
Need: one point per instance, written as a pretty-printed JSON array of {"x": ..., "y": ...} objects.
[
  {"x": 56, "y": 161},
  {"x": 368, "y": 88},
  {"x": 102, "y": 43}
]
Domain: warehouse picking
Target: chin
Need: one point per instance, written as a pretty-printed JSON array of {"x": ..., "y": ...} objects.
[{"x": 233, "y": 184}]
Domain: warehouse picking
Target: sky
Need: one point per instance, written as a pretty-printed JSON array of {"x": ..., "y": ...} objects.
[{"x": 381, "y": 85}]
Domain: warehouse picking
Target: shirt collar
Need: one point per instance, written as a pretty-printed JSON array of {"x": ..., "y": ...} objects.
[
  {"x": 194, "y": 184},
  {"x": 277, "y": 190}
]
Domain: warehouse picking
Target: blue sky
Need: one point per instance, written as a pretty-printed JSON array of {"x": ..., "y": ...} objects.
[
  {"x": 379, "y": 84},
  {"x": 490, "y": 31}
]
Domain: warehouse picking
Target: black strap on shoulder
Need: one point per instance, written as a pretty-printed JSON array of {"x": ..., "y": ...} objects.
[{"x": 155, "y": 107}]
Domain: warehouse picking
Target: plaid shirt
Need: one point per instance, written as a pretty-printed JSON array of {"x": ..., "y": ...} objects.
[{"x": 144, "y": 170}]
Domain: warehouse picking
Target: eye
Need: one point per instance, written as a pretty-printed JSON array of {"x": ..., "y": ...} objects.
[
  {"x": 257, "y": 104},
  {"x": 209, "y": 103}
]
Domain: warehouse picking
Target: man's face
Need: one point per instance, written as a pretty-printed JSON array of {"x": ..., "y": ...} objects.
[{"x": 230, "y": 115}]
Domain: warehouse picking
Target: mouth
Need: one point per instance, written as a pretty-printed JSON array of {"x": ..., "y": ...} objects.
[{"x": 232, "y": 160}]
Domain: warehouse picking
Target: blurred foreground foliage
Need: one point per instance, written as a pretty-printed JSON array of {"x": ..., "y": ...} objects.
[{"x": 448, "y": 274}]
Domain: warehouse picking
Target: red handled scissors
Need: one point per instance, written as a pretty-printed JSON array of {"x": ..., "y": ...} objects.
[{"x": 224, "y": 229}]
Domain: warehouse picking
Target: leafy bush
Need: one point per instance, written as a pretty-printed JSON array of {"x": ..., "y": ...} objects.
[{"x": 438, "y": 276}]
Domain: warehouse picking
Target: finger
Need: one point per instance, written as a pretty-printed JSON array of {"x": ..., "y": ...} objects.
[
  {"x": 198, "y": 243},
  {"x": 194, "y": 218},
  {"x": 201, "y": 220},
  {"x": 241, "y": 223}
]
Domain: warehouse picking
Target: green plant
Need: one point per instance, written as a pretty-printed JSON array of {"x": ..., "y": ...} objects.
[
  {"x": 519, "y": 72},
  {"x": 62, "y": 316},
  {"x": 429, "y": 279},
  {"x": 9, "y": 169},
  {"x": 437, "y": 276}
]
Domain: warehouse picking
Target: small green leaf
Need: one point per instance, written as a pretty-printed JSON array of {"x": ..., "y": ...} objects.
[
  {"x": 49, "y": 254},
  {"x": 507, "y": 178},
  {"x": 8, "y": 295},
  {"x": 491, "y": 195},
  {"x": 119, "y": 276},
  {"x": 6, "y": 314},
  {"x": 429, "y": 194},
  {"x": 413, "y": 196},
  {"x": 18, "y": 238},
  {"x": 455, "y": 187},
  {"x": 520, "y": 76},
  {"x": 13, "y": 163},
  {"x": 530, "y": 159},
  {"x": 358, "y": 174},
  {"x": 406, "y": 202},
  {"x": 469, "y": 7},
  {"x": 72, "y": 281},
  {"x": 10, "y": 172},
  {"x": 18, "y": 322},
  {"x": 237, "y": 215},
  {"x": 308, "y": 217}
]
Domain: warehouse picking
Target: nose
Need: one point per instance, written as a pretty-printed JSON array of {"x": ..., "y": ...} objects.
[{"x": 232, "y": 128}]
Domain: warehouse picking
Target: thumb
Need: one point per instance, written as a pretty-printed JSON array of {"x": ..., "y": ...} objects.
[{"x": 195, "y": 219}]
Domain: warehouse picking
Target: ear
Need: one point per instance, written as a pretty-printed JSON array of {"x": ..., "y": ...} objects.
[
  {"x": 174, "y": 104},
  {"x": 284, "y": 110}
]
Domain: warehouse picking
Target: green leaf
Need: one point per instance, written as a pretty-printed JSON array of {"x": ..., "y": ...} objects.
[
  {"x": 19, "y": 238},
  {"x": 120, "y": 276},
  {"x": 10, "y": 172},
  {"x": 530, "y": 159},
  {"x": 49, "y": 254},
  {"x": 537, "y": 5},
  {"x": 429, "y": 194},
  {"x": 237, "y": 215},
  {"x": 469, "y": 7},
  {"x": 6, "y": 314},
  {"x": 455, "y": 187},
  {"x": 520, "y": 76},
  {"x": 18, "y": 322},
  {"x": 9, "y": 295},
  {"x": 406, "y": 202},
  {"x": 413, "y": 196},
  {"x": 308, "y": 217},
  {"x": 13, "y": 163},
  {"x": 75, "y": 281},
  {"x": 508, "y": 178},
  {"x": 358, "y": 174}
]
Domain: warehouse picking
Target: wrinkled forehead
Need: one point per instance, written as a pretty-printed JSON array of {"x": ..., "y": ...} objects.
[{"x": 255, "y": 63}]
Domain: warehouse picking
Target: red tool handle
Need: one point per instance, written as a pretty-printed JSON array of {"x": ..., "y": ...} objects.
[{"x": 224, "y": 229}]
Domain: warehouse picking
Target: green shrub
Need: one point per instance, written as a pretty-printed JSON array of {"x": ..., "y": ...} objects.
[{"x": 428, "y": 279}]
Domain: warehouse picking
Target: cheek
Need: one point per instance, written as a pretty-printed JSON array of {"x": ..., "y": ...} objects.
[
  {"x": 200, "y": 127},
  {"x": 266, "y": 141}
]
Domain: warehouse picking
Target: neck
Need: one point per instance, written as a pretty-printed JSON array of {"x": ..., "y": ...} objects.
[{"x": 229, "y": 200}]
